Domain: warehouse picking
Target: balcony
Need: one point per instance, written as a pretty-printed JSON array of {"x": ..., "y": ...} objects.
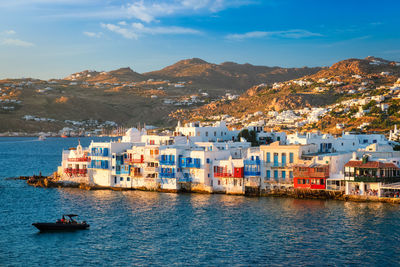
[
  {"x": 375, "y": 179},
  {"x": 82, "y": 159},
  {"x": 167, "y": 162},
  {"x": 277, "y": 164},
  {"x": 166, "y": 175},
  {"x": 252, "y": 173},
  {"x": 223, "y": 175},
  {"x": 141, "y": 160},
  {"x": 310, "y": 174},
  {"x": 190, "y": 165},
  {"x": 252, "y": 162},
  {"x": 71, "y": 171},
  {"x": 151, "y": 169},
  {"x": 99, "y": 153}
]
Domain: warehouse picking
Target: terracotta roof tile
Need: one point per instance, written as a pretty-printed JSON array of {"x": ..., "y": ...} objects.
[{"x": 370, "y": 164}]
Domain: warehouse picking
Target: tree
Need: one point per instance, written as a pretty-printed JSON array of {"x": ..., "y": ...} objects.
[{"x": 250, "y": 136}]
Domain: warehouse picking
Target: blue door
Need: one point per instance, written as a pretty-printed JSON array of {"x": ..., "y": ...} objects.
[
  {"x": 283, "y": 159},
  {"x": 276, "y": 159}
]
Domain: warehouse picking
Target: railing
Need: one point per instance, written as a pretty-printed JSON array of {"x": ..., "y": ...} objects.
[
  {"x": 310, "y": 174},
  {"x": 99, "y": 154},
  {"x": 190, "y": 164},
  {"x": 227, "y": 175},
  {"x": 134, "y": 161},
  {"x": 252, "y": 173},
  {"x": 223, "y": 174},
  {"x": 75, "y": 171},
  {"x": 374, "y": 179},
  {"x": 167, "y": 162},
  {"x": 84, "y": 159},
  {"x": 252, "y": 162},
  {"x": 277, "y": 164},
  {"x": 166, "y": 175},
  {"x": 151, "y": 169}
]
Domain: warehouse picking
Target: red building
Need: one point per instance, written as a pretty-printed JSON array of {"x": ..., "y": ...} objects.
[{"x": 311, "y": 177}]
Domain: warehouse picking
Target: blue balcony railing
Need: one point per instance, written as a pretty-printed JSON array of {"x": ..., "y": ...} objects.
[
  {"x": 167, "y": 162},
  {"x": 252, "y": 162},
  {"x": 166, "y": 175},
  {"x": 99, "y": 151},
  {"x": 252, "y": 173}
]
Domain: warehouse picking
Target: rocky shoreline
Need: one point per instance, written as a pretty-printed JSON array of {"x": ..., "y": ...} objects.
[{"x": 50, "y": 182}]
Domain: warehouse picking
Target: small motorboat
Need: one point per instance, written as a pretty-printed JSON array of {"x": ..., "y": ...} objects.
[
  {"x": 42, "y": 137},
  {"x": 63, "y": 224}
]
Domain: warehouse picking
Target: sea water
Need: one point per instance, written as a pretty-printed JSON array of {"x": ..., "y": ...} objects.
[{"x": 150, "y": 228}]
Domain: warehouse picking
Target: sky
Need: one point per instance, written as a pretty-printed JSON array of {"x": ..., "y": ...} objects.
[{"x": 54, "y": 38}]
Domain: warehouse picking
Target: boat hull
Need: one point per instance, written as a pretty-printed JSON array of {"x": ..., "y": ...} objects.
[{"x": 60, "y": 226}]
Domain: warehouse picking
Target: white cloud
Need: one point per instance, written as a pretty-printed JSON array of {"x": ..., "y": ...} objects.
[
  {"x": 129, "y": 34},
  {"x": 123, "y": 23},
  {"x": 150, "y": 11},
  {"x": 16, "y": 42},
  {"x": 93, "y": 34},
  {"x": 289, "y": 34},
  {"x": 9, "y": 32},
  {"x": 138, "y": 28}
]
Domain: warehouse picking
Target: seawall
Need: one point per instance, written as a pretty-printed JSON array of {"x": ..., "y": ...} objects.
[{"x": 49, "y": 182}]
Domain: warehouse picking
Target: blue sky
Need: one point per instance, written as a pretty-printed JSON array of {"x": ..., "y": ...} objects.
[{"x": 53, "y": 38}]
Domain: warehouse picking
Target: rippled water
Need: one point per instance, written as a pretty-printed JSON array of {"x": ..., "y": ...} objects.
[{"x": 148, "y": 228}]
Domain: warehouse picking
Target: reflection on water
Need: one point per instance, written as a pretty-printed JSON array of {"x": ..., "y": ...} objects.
[{"x": 150, "y": 228}]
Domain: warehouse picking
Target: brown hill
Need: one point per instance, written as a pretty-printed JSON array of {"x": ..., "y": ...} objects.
[
  {"x": 115, "y": 76},
  {"x": 227, "y": 75},
  {"x": 353, "y": 66},
  {"x": 291, "y": 95}
]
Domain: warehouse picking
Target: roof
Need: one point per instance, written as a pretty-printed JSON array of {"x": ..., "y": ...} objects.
[{"x": 370, "y": 164}]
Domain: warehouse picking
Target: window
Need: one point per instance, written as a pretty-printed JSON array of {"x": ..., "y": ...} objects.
[
  {"x": 283, "y": 174},
  {"x": 215, "y": 133},
  {"x": 291, "y": 157},
  {"x": 268, "y": 157},
  {"x": 291, "y": 174},
  {"x": 121, "y": 179},
  {"x": 115, "y": 180},
  {"x": 276, "y": 159},
  {"x": 128, "y": 179},
  {"x": 206, "y": 133},
  {"x": 276, "y": 175},
  {"x": 268, "y": 174},
  {"x": 283, "y": 159}
]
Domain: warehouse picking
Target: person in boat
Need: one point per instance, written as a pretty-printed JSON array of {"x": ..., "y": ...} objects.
[{"x": 63, "y": 219}]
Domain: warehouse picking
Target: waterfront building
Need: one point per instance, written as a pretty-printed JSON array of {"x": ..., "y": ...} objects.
[
  {"x": 365, "y": 177},
  {"x": 312, "y": 176},
  {"x": 74, "y": 166},
  {"x": 200, "y": 133},
  {"x": 279, "y": 160},
  {"x": 192, "y": 160},
  {"x": 347, "y": 142}
]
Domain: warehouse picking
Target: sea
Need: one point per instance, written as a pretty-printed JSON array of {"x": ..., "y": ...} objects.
[{"x": 130, "y": 228}]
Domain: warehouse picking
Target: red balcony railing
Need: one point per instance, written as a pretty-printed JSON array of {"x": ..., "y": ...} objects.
[
  {"x": 71, "y": 171},
  {"x": 82, "y": 159}
]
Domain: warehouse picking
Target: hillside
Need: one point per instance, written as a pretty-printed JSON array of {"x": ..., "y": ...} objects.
[
  {"x": 228, "y": 75},
  {"x": 197, "y": 90},
  {"x": 115, "y": 76},
  {"x": 348, "y": 80}
]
